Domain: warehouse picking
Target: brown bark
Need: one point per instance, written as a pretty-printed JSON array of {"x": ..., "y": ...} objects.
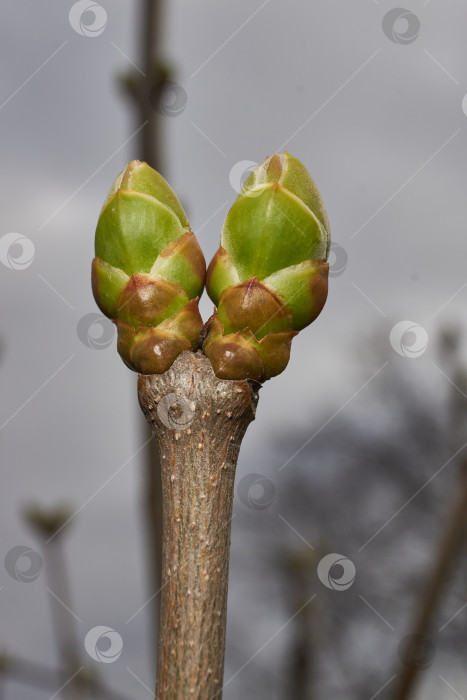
[
  {"x": 208, "y": 418},
  {"x": 152, "y": 499}
]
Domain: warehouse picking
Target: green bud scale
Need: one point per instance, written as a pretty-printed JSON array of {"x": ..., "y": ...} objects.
[
  {"x": 269, "y": 277},
  {"x": 149, "y": 270}
]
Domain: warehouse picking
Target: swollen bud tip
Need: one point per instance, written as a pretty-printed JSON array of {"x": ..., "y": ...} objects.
[
  {"x": 269, "y": 277},
  {"x": 149, "y": 270}
]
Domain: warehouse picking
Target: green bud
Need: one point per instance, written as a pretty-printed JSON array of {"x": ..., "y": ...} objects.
[
  {"x": 290, "y": 172},
  {"x": 149, "y": 270},
  {"x": 269, "y": 277}
]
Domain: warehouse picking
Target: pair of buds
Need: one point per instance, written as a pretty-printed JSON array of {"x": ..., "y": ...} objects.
[{"x": 268, "y": 279}]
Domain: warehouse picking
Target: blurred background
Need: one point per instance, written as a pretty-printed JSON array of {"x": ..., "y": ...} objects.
[{"x": 347, "y": 575}]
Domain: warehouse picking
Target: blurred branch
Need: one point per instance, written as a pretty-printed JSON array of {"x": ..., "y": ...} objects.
[
  {"x": 151, "y": 32},
  {"x": 48, "y": 523},
  {"x": 297, "y": 567},
  {"x": 443, "y": 563},
  {"x": 145, "y": 89},
  {"x": 453, "y": 537},
  {"x": 75, "y": 680},
  {"x": 39, "y": 676},
  {"x": 29, "y": 672}
]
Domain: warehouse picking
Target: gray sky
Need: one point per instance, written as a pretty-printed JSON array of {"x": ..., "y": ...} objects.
[{"x": 380, "y": 126}]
